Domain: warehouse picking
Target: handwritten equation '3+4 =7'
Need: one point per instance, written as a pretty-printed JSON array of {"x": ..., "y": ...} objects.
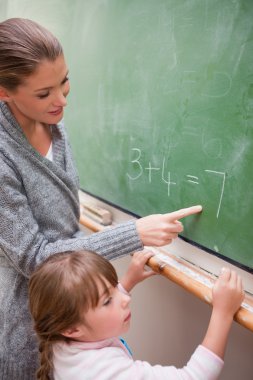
[{"x": 166, "y": 176}]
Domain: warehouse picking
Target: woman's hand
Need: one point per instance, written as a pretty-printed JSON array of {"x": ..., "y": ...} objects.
[{"x": 161, "y": 229}]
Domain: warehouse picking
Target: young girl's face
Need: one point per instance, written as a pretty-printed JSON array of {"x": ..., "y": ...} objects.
[
  {"x": 42, "y": 97},
  {"x": 110, "y": 318}
]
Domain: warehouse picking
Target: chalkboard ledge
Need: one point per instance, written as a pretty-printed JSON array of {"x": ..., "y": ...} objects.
[{"x": 196, "y": 281}]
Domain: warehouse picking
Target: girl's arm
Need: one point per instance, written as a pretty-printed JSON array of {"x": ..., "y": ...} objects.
[{"x": 228, "y": 295}]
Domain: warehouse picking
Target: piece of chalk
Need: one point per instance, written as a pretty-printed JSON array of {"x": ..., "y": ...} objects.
[{"x": 97, "y": 213}]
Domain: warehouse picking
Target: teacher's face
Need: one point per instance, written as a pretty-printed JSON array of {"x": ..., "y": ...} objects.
[{"x": 42, "y": 96}]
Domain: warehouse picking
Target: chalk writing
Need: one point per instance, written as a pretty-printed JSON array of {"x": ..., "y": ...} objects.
[
  {"x": 192, "y": 179},
  {"x": 150, "y": 168},
  {"x": 221, "y": 83},
  {"x": 168, "y": 180},
  {"x": 222, "y": 187},
  {"x": 136, "y": 161},
  {"x": 166, "y": 175}
]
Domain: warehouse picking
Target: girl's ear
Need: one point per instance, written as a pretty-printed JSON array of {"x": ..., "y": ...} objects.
[
  {"x": 4, "y": 95},
  {"x": 73, "y": 332}
]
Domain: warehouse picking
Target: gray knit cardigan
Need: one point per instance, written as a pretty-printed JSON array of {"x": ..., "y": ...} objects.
[{"x": 39, "y": 213}]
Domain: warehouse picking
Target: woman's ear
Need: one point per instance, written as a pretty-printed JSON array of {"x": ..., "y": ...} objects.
[{"x": 4, "y": 95}]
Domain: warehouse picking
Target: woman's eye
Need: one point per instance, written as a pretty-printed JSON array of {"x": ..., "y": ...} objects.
[
  {"x": 43, "y": 96},
  {"x": 65, "y": 80}
]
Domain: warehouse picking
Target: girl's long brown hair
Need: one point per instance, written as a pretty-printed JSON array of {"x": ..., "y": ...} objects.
[
  {"x": 24, "y": 44},
  {"x": 60, "y": 291}
]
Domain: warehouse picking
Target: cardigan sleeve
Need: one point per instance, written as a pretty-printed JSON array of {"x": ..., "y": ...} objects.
[{"x": 24, "y": 244}]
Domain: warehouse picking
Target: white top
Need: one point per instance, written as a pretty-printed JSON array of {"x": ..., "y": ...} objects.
[
  {"x": 49, "y": 154},
  {"x": 109, "y": 359}
]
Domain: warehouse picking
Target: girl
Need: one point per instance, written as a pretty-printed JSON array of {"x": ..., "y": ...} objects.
[
  {"x": 39, "y": 186},
  {"x": 79, "y": 310}
]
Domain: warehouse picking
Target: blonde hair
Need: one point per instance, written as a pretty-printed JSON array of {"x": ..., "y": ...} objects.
[
  {"x": 61, "y": 290},
  {"x": 24, "y": 44}
]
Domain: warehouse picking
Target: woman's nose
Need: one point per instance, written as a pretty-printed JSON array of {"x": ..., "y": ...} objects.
[{"x": 60, "y": 99}]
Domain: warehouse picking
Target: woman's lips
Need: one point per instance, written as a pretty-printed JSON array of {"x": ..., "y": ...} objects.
[{"x": 56, "y": 113}]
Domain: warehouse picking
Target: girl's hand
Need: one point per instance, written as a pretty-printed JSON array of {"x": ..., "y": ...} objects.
[
  {"x": 228, "y": 293},
  {"x": 136, "y": 271}
]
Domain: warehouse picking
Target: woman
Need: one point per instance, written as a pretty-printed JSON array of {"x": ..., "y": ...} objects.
[{"x": 39, "y": 186}]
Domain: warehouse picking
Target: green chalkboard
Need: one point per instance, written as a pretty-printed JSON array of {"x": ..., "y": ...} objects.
[{"x": 160, "y": 115}]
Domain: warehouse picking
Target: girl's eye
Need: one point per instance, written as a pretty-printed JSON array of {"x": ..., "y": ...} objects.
[
  {"x": 43, "y": 96},
  {"x": 107, "y": 301}
]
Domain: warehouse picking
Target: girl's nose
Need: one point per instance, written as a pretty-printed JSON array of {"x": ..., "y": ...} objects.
[{"x": 125, "y": 300}]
